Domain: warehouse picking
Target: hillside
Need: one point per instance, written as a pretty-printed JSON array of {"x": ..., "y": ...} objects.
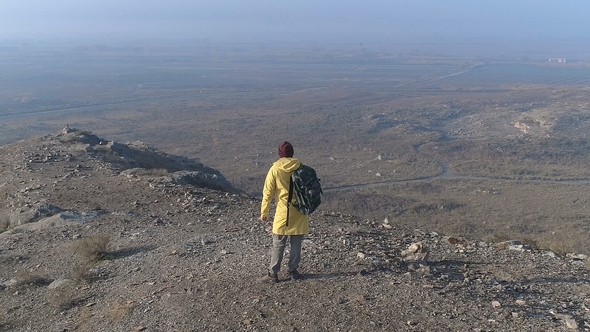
[{"x": 103, "y": 236}]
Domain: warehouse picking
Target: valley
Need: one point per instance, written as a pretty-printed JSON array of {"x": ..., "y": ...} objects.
[{"x": 478, "y": 148}]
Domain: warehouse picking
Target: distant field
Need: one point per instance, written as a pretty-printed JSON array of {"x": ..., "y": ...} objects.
[
  {"x": 358, "y": 117},
  {"x": 510, "y": 74}
]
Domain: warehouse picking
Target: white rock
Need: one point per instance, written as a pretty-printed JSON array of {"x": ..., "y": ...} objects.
[
  {"x": 11, "y": 282},
  {"x": 551, "y": 254},
  {"x": 58, "y": 283},
  {"x": 415, "y": 252},
  {"x": 568, "y": 320}
]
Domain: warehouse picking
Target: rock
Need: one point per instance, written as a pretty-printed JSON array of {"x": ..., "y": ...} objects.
[
  {"x": 10, "y": 283},
  {"x": 59, "y": 283},
  {"x": 456, "y": 241},
  {"x": 551, "y": 254},
  {"x": 571, "y": 323},
  {"x": 211, "y": 179},
  {"x": 513, "y": 245},
  {"x": 518, "y": 247},
  {"x": 66, "y": 218},
  {"x": 415, "y": 253},
  {"x": 348, "y": 241},
  {"x": 119, "y": 148},
  {"x": 568, "y": 320},
  {"x": 32, "y": 214},
  {"x": 419, "y": 269},
  {"x": 496, "y": 304}
]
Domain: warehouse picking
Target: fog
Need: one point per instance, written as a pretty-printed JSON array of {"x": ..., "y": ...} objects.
[{"x": 371, "y": 21}]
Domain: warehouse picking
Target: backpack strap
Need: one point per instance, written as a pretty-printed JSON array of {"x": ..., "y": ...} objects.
[{"x": 290, "y": 197}]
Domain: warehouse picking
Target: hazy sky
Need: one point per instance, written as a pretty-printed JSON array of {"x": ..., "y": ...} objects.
[{"x": 370, "y": 21}]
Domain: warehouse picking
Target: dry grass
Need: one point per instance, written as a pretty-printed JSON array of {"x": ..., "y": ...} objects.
[
  {"x": 92, "y": 248},
  {"x": 558, "y": 246},
  {"x": 64, "y": 298},
  {"x": 497, "y": 238},
  {"x": 83, "y": 273},
  {"x": 533, "y": 243},
  {"x": 118, "y": 311},
  {"x": 25, "y": 278},
  {"x": 495, "y": 211}
]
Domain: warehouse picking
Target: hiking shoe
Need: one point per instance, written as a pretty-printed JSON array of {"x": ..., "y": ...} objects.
[
  {"x": 294, "y": 275},
  {"x": 268, "y": 279}
]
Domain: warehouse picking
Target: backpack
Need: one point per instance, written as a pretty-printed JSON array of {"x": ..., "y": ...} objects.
[{"x": 305, "y": 186}]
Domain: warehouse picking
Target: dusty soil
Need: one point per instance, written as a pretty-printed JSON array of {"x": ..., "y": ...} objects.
[{"x": 185, "y": 258}]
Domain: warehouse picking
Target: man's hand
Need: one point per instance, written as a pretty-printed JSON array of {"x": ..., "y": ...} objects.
[{"x": 263, "y": 219}]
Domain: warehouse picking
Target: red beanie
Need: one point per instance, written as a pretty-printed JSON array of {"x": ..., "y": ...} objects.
[{"x": 285, "y": 149}]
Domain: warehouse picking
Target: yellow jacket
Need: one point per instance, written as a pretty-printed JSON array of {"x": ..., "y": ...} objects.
[{"x": 276, "y": 186}]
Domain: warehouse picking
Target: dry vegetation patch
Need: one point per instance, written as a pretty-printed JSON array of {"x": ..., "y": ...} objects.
[
  {"x": 118, "y": 311},
  {"x": 92, "y": 248},
  {"x": 559, "y": 246},
  {"x": 25, "y": 278},
  {"x": 66, "y": 297}
]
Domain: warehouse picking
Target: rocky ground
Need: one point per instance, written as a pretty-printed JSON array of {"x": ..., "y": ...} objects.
[{"x": 103, "y": 236}]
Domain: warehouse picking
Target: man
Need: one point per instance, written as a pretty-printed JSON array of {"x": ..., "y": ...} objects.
[{"x": 291, "y": 228}]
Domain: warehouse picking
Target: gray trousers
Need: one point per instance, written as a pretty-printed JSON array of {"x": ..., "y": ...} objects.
[{"x": 278, "y": 248}]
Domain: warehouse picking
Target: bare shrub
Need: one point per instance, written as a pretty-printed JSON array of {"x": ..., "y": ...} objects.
[
  {"x": 25, "y": 278},
  {"x": 92, "y": 248},
  {"x": 534, "y": 244},
  {"x": 64, "y": 298},
  {"x": 560, "y": 247},
  {"x": 497, "y": 238},
  {"x": 82, "y": 273}
]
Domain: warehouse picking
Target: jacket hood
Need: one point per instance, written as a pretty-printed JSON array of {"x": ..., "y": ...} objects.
[{"x": 287, "y": 164}]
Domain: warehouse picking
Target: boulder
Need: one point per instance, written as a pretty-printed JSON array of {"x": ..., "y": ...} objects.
[{"x": 31, "y": 214}]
